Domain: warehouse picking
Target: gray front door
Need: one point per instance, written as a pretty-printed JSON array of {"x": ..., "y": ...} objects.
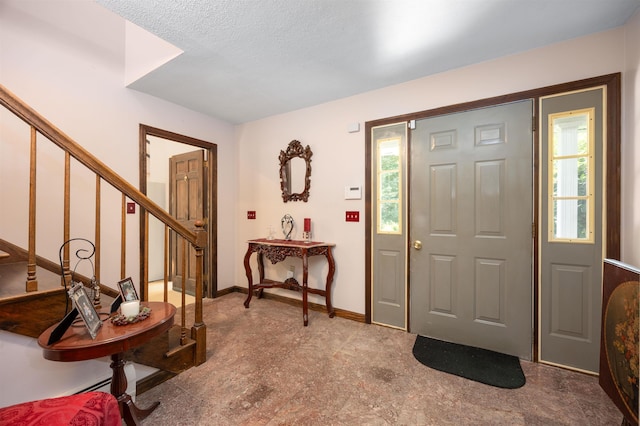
[
  {"x": 572, "y": 147},
  {"x": 471, "y": 216}
]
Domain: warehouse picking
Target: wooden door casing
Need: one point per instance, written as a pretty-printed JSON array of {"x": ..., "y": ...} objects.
[{"x": 612, "y": 206}]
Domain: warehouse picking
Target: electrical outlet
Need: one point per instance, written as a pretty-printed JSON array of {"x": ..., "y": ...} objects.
[{"x": 352, "y": 216}]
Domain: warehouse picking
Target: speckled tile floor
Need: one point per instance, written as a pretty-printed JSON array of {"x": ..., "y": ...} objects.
[{"x": 264, "y": 368}]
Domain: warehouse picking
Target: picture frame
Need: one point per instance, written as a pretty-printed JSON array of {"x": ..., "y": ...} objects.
[
  {"x": 619, "y": 339},
  {"x": 85, "y": 308},
  {"x": 127, "y": 290}
]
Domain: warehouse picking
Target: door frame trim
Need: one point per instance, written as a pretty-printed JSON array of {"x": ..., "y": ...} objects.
[
  {"x": 211, "y": 187},
  {"x": 613, "y": 163}
]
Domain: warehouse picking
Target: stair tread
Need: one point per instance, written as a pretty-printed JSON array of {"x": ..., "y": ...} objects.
[{"x": 13, "y": 277}]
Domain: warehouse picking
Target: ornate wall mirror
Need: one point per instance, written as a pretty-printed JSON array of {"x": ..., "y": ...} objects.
[{"x": 295, "y": 172}]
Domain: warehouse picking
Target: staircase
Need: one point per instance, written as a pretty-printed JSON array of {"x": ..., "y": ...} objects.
[{"x": 32, "y": 287}]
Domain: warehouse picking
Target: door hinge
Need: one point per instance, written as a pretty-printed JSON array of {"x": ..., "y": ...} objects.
[
  {"x": 533, "y": 123},
  {"x": 533, "y": 230}
]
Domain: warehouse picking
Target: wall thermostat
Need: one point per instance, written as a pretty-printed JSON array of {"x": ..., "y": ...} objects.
[{"x": 352, "y": 192}]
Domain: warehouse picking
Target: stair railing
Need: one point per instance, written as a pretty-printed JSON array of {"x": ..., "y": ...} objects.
[{"x": 196, "y": 237}]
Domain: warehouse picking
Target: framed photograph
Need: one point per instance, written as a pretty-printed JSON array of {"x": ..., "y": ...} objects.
[
  {"x": 85, "y": 308},
  {"x": 127, "y": 290}
]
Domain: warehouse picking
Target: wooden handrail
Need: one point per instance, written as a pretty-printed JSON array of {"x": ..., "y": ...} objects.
[
  {"x": 196, "y": 237},
  {"x": 57, "y": 136}
]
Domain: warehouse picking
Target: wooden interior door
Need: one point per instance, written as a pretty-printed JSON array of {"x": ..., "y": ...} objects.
[{"x": 186, "y": 191}]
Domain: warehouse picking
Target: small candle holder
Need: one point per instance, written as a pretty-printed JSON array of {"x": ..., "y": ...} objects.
[{"x": 306, "y": 234}]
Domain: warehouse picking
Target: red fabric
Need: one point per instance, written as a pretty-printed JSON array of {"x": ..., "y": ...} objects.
[{"x": 85, "y": 409}]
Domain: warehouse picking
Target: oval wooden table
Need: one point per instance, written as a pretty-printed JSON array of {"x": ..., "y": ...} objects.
[{"x": 77, "y": 345}]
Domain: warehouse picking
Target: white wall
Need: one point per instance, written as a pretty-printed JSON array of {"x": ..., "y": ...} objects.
[
  {"x": 27, "y": 369},
  {"x": 338, "y": 158}
]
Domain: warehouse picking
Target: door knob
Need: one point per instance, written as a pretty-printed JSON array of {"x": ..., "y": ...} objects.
[{"x": 417, "y": 244}]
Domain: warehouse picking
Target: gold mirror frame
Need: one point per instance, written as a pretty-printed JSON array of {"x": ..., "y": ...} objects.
[{"x": 294, "y": 150}]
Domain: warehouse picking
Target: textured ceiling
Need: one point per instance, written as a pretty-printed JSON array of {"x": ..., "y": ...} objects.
[{"x": 248, "y": 59}]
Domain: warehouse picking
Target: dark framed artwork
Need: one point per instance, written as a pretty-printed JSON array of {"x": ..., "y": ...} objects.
[
  {"x": 619, "y": 341},
  {"x": 127, "y": 290},
  {"x": 85, "y": 308}
]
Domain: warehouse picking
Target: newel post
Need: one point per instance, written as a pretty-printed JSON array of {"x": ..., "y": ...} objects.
[{"x": 199, "y": 329}]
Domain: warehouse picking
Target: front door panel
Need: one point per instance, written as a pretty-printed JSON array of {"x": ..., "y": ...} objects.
[{"x": 471, "y": 214}]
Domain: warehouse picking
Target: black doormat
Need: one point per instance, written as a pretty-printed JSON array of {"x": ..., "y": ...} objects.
[{"x": 481, "y": 365}]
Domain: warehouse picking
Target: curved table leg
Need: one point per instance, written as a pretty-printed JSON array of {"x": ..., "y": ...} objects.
[
  {"x": 247, "y": 269},
  {"x": 305, "y": 275},
  {"x": 327, "y": 288},
  {"x": 130, "y": 412}
]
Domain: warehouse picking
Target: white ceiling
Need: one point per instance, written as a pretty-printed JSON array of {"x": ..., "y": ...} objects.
[{"x": 248, "y": 59}]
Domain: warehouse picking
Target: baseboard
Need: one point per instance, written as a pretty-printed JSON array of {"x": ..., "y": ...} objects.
[
  {"x": 101, "y": 386},
  {"x": 153, "y": 380},
  {"x": 146, "y": 383},
  {"x": 295, "y": 302},
  {"x": 229, "y": 290}
]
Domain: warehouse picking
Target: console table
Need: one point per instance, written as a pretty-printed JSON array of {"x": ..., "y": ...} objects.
[
  {"x": 77, "y": 345},
  {"x": 278, "y": 250}
]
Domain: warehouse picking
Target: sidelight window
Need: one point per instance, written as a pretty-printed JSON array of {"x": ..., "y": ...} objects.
[
  {"x": 389, "y": 186},
  {"x": 571, "y": 191}
]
